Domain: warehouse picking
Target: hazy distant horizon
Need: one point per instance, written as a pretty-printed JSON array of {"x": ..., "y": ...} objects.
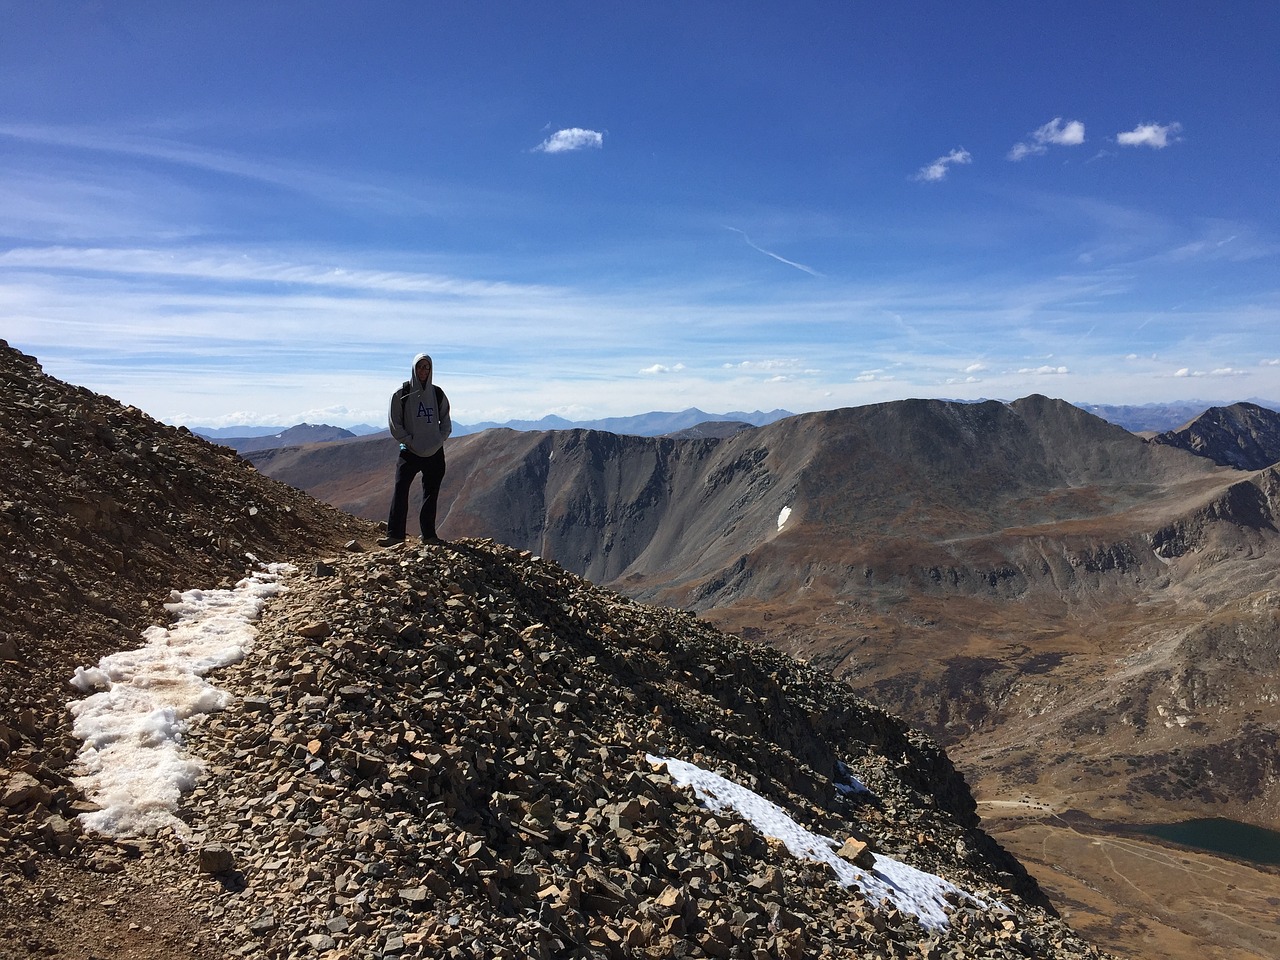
[{"x": 366, "y": 428}]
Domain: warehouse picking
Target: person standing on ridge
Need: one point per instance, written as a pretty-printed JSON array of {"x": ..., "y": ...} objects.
[{"x": 419, "y": 419}]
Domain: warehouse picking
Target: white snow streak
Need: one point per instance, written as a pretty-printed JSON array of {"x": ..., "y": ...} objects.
[
  {"x": 910, "y": 890},
  {"x": 783, "y": 516},
  {"x": 134, "y": 766}
]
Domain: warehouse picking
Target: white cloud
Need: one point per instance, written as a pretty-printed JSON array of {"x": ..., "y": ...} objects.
[
  {"x": 792, "y": 364},
  {"x": 1150, "y": 135},
  {"x": 573, "y": 138},
  {"x": 975, "y": 368},
  {"x": 938, "y": 169},
  {"x": 1269, "y": 363},
  {"x": 1216, "y": 372},
  {"x": 660, "y": 368},
  {"x": 1070, "y": 134},
  {"x": 1045, "y": 371},
  {"x": 1055, "y": 132}
]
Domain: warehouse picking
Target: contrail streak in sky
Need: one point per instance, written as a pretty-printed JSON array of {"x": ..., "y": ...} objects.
[{"x": 768, "y": 253}]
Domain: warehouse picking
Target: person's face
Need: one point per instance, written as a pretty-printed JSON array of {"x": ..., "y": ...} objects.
[{"x": 423, "y": 369}]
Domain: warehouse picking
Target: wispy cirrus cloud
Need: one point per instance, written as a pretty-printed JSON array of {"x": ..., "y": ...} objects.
[
  {"x": 295, "y": 178},
  {"x": 936, "y": 171},
  {"x": 1154, "y": 135},
  {"x": 571, "y": 139},
  {"x": 239, "y": 266},
  {"x": 1053, "y": 133}
]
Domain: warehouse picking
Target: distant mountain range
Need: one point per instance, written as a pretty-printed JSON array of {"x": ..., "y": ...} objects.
[
  {"x": 1146, "y": 418},
  {"x": 690, "y": 422},
  {"x": 656, "y": 424},
  {"x": 464, "y": 742},
  {"x": 1159, "y": 417},
  {"x": 295, "y": 436},
  {"x": 1085, "y": 617}
]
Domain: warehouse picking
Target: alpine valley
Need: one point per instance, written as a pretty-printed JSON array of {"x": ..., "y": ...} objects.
[{"x": 1085, "y": 618}]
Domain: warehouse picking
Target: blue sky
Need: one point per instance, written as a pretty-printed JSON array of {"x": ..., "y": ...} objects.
[{"x": 247, "y": 212}]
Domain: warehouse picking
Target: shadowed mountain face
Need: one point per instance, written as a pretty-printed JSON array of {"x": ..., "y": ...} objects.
[
  {"x": 1243, "y": 435},
  {"x": 893, "y": 493}
]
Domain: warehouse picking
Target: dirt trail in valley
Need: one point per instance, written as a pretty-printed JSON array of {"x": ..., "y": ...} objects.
[{"x": 1142, "y": 898}]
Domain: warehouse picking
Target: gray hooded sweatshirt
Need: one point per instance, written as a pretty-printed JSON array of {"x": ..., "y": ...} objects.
[{"x": 419, "y": 417}]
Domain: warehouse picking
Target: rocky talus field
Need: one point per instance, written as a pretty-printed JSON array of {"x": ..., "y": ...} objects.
[
  {"x": 443, "y": 751},
  {"x": 448, "y": 751}
]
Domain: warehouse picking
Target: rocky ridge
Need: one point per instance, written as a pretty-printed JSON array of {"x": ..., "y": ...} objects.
[
  {"x": 102, "y": 511},
  {"x": 1243, "y": 435},
  {"x": 100, "y": 508},
  {"x": 446, "y": 752}
]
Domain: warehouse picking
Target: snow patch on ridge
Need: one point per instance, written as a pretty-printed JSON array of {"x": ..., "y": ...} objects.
[
  {"x": 783, "y": 516},
  {"x": 910, "y": 890},
  {"x": 134, "y": 765}
]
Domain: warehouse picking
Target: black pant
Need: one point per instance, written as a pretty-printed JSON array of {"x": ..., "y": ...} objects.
[{"x": 408, "y": 467}]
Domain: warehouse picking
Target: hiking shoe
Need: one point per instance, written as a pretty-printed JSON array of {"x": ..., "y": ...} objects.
[{"x": 390, "y": 541}]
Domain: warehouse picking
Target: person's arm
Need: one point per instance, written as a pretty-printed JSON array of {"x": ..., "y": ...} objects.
[
  {"x": 395, "y": 418},
  {"x": 446, "y": 422}
]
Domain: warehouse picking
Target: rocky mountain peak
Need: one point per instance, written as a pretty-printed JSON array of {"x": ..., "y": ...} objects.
[
  {"x": 1242, "y": 435},
  {"x": 450, "y": 751}
]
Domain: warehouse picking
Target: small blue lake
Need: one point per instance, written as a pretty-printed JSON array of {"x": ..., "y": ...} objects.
[{"x": 1220, "y": 835}]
